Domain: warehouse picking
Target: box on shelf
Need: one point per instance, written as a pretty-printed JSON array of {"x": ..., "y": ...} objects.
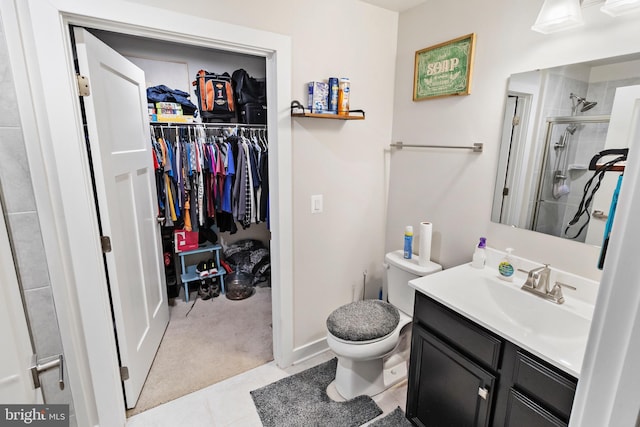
[
  {"x": 318, "y": 101},
  {"x": 185, "y": 240},
  {"x": 171, "y": 118}
]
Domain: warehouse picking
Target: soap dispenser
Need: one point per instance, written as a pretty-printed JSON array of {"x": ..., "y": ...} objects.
[
  {"x": 506, "y": 268},
  {"x": 480, "y": 255}
]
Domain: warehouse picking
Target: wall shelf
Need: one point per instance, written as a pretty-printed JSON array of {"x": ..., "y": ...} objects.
[{"x": 297, "y": 110}]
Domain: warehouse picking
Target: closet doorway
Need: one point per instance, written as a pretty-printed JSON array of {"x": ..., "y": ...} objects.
[
  {"x": 62, "y": 183},
  {"x": 208, "y": 339}
]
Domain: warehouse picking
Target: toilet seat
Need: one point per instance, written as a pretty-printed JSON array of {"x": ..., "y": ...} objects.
[
  {"x": 361, "y": 366},
  {"x": 363, "y": 321},
  {"x": 370, "y": 349}
]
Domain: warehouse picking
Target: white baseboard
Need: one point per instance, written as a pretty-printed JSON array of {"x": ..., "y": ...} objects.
[{"x": 310, "y": 350}]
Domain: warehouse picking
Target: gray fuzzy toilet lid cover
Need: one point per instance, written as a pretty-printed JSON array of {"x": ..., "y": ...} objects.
[{"x": 363, "y": 320}]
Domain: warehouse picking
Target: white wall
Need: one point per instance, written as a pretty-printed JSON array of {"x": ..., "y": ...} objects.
[
  {"x": 180, "y": 62},
  {"x": 454, "y": 189},
  {"x": 343, "y": 161}
]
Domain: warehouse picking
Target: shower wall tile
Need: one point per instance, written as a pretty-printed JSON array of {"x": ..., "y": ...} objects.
[
  {"x": 549, "y": 217},
  {"x": 576, "y": 188},
  {"x": 598, "y": 92},
  {"x": 581, "y": 237},
  {"x": 53, "y": 394},
  {"x": 553, "y": 91},
  {"x": 9, "y": 115},
  {"x": 15, "y": 178},
  {"x": 43, "y": 320},
  {"x": 17, "y": 197},
  {"x": 29, "y": 250}
]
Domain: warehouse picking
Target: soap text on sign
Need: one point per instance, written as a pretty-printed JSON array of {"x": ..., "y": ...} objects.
[{"x": 442, "y": 66}]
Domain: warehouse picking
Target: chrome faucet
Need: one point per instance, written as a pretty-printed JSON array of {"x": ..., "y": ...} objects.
[
  {"x": 538, "y": 279},
  {"x": 537, "y": 283}
]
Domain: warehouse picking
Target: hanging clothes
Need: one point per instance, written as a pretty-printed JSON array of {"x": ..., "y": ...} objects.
[{"x": 206, "y": 175}]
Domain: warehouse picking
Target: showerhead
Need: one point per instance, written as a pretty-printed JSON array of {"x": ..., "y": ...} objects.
[
  {"x": 587, "y": 105},
  {"x": 571, "y": 129},
  {"x": 578, "y": 101}
]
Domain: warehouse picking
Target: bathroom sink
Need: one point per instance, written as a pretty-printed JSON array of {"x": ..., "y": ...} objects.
[
  {"x": 555, "y": 332},
  {"x": 536, "y": 315}
]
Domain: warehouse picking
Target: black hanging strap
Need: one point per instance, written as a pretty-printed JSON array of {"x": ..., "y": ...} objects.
[{"x": 587, "y": 197}]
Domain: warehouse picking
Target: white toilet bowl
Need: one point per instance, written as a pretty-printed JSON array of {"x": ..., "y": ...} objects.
[
  {"x": 361, "y": 366},
  {"x": 363, "y": 333}
]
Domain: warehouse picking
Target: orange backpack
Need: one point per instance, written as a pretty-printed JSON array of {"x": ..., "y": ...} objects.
[{"x": 215, "y": 96}]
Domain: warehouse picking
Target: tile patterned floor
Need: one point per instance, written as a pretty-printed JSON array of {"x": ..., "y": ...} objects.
[{"x": 228, "y": 403}]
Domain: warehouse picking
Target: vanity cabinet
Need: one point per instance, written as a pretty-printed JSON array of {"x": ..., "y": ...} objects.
[
  {"x": 450, "y": 389},
  {"x": 464, "y": 375}
]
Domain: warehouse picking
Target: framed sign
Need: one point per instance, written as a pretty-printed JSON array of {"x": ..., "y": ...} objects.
[{"x": 444, "y": 69}]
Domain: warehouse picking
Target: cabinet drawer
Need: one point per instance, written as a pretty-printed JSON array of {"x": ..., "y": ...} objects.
[
  {"x": 458, "y": 331},
  {"x": 524, "y": 412},
  {"x": 544, "y": 383}
]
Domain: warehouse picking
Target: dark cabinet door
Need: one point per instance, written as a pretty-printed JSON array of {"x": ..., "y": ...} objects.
[
  {"x": 446, "y": 388},
  {"x": 524, "y": 412}
]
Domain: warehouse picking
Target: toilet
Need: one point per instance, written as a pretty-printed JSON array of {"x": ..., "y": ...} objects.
[{"x": 365, "y": 335}]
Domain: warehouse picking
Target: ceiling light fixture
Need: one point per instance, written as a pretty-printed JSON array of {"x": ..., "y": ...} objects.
[
  {"x": 560, "y": 15},
  {"x": 620, "y": 7}
]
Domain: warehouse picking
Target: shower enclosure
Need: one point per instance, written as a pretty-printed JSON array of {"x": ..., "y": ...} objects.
[{"x": 570, "y": 143}]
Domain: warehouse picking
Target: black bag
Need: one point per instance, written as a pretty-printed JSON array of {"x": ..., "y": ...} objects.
[
  {"x": 215, "y": 96},
  {"x": 254, "y": 114},
  {"x": 249, "y": 89}
]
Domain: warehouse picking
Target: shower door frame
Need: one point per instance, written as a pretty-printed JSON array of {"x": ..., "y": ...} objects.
[{"x": 551, "y": 121}]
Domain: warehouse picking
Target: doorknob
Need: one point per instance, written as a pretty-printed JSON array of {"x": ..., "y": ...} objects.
[{"x": 36, "y": 368}]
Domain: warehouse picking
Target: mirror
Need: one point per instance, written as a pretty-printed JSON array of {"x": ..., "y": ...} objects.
[{"x": 555, "y": 122}]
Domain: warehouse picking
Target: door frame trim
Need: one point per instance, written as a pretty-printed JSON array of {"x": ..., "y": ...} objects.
[{"x": 62, "y": 181}]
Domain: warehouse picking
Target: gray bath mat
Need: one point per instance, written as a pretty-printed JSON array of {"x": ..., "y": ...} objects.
[
  {"x": 301, "y": 400},
  {"x": 397, "y": 418}
]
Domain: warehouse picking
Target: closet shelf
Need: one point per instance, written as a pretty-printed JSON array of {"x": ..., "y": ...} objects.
[
  {"x": 209, "y": 125},
  {"x": 192, "y": 275},
  {"x": 297, "y": 110},
  {"x": 188, "y": 270}
]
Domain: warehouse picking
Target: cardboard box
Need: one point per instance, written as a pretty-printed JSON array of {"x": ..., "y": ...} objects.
[
  {"x": 185, "y": 240},
  {"x": 318, "y": 101}
]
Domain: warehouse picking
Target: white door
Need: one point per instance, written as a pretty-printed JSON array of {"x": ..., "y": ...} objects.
[
  {"x": 500, "y": 209},
  {"x": 617, "y": 137},
  {"x": 121, "y": 153},
  {"x": 16, "y": 385}
]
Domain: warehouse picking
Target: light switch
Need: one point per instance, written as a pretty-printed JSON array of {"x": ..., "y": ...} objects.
[{"x": 316, "y": 203}]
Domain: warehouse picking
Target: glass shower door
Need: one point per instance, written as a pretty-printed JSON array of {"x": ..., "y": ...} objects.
[{"x": 570, "y": 143}]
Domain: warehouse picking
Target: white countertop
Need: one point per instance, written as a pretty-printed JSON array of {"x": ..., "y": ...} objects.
[{"x": 556, "y": 333}]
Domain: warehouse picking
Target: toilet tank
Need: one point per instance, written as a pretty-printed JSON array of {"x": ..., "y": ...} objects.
[{"x": 399, "y": 272}]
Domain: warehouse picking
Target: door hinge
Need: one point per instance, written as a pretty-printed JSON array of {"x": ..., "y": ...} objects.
[
  {"x": 505, "y": 191},
  {"x": 105, "y": 241},
  {"x": 516, "y": 121},
  {"x": 124, "y": 373},
  {"x": 83, "y": 85}
]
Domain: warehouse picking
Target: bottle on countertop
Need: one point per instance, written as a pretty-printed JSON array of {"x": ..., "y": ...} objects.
[
  {"x": 506, "y": 268},
  {"x": 408, "y": 242},
  {"x": 480, "y": 254}
]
